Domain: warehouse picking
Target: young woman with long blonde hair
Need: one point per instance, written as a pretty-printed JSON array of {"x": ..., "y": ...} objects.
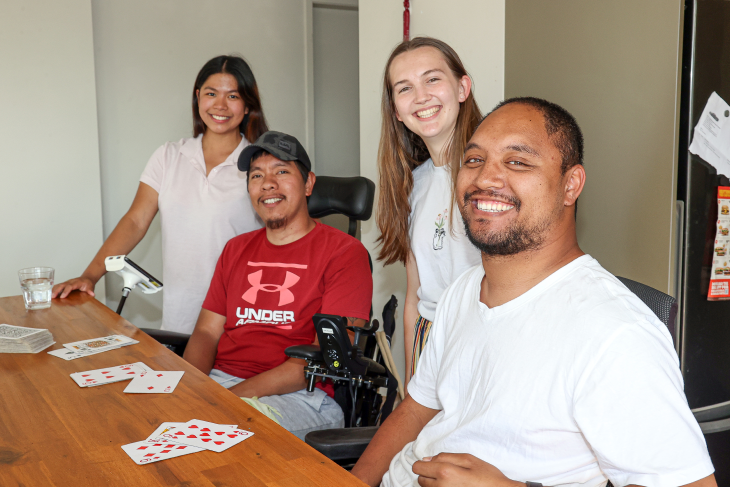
[{"x": 429, "y": 113}]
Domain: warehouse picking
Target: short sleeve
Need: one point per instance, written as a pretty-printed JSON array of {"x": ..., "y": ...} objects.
[
  {"x": 348, "y": 283},
  {"x": 422, "y": 387},
  {"x": 154, "y": 171},
  {"x": 629, "y": 403},
  {"x": 217, "y": 298}
]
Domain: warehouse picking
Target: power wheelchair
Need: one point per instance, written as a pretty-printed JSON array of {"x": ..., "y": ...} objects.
[{"x": 358, "y": 371}]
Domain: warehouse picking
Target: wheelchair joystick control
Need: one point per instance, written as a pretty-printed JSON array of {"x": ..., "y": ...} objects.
[
  {"x": 133, "y": 275},
  {"x": 310, "y": 382}
]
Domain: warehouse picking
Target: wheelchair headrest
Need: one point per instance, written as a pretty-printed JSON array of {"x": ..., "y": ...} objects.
[{"x": 352, "y": 197}]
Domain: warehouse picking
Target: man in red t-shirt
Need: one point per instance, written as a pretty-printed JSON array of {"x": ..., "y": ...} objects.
[{"x": 269, "y": 283}]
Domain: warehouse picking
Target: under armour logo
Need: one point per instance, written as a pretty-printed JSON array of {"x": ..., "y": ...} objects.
[{"x": 285, "y": 296}]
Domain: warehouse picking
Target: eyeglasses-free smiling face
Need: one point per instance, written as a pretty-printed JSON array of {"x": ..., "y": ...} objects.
[
  {"x": 426, "y": 93},
  {"x": 278, "y": 192},
  {"x": 510, "y": 186},
  {"x": 220, "y": 104}
]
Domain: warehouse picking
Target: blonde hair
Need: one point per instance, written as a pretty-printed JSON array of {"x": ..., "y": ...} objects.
[{"x": 401, "y": 151}]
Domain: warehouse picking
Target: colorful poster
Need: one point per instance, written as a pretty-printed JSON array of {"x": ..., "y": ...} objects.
[{"x": 720, "y": 272}]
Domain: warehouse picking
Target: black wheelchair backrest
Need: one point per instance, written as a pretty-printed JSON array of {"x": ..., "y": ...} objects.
[{"x": 352, "y": 197}]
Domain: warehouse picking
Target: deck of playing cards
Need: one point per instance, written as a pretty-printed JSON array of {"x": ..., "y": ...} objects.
[
  {"x": 109, "y": 375},
  {"x": 171, "y": 440},
  {"x": 19, "y": 339}
]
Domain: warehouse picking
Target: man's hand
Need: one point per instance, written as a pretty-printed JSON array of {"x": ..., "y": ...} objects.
[
  {"x": 460, "y": 470},
  {"x": 282, "y": 379}
]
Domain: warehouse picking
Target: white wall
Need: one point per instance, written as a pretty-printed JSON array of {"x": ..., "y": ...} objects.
[
  {"x": 50, "y": 202},
  {"x": 476, "y": 31},
  {"x": 147, "y": 57}
]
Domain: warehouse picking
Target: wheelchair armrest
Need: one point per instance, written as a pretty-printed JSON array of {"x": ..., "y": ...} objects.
[
  {"x": 172, "y": 340},
  {"x": 341, "y": 443},
  {"x": 305, "y": 352},
  {"x": 373, "y": 366},
  {"x": 366, "y": 329}
]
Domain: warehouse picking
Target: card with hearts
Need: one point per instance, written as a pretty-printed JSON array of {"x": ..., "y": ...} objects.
[
  {"x": 165, "y": 427},
  {"x": 210, "y": 436},
  {"x": 147, "y": 451},
  {"x": 154, "y": 382},
  {"x": 109, "y": 375}
]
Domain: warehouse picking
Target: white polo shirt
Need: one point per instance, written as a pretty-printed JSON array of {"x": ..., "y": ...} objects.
[{"x": 199, "y": 214}]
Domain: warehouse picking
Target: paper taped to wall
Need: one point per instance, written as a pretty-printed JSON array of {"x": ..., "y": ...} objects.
[{"x": 711, "y": 139}]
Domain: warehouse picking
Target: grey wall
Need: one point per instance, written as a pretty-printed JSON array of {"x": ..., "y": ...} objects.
[
  {"x": 614, "y": 66},
  {"x": 147, "y": 57},
  {"x": 50, "y": 202}
]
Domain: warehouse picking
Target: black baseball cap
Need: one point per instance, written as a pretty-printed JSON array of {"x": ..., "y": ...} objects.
[{"x": 282, "y": 146}]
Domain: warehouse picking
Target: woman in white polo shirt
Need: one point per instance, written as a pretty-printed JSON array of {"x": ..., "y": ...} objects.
[{"x": 196, "y": 186}]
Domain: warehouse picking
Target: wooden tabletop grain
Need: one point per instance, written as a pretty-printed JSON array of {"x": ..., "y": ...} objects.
[{"x": 54, "y": 433}]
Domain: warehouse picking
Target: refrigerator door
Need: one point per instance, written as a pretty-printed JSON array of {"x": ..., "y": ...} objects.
[{"x": 705, "y": 326}]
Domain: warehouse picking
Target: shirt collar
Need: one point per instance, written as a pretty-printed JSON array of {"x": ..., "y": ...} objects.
[{"x": 193, "y": 149}]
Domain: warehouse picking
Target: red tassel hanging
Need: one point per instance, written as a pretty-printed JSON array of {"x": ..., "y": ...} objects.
[{"x": 406, "y": 20}]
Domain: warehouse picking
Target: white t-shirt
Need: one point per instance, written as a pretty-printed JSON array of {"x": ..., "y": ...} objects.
[
  {"x": 440, "y": 257},
  {"x": 572, "y": 383},
  {"x": 199, "y": 214}
]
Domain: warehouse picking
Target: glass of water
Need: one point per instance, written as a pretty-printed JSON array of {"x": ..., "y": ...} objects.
[{"x": 36, "y": 283}]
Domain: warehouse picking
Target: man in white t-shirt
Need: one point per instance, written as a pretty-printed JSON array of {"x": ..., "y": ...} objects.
[{"x": 541, "y": 367}]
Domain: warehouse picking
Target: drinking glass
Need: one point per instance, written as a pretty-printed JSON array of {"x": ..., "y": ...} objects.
[{"x": 36, "y": 283}]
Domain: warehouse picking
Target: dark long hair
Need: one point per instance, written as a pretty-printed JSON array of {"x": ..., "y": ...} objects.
[
  {"x": 401, "y": 151},
  {"x": 253, "y": 124}
]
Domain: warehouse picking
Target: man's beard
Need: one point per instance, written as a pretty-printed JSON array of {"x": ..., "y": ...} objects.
[
  {"x": 515, "y": 239},
  {"x": 276, "y": 224}
]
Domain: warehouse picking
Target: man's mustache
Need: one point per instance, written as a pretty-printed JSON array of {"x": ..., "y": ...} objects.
[{"x": 514, "y": 200}]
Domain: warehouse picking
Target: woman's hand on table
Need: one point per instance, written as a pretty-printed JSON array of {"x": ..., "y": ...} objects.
[{"x": 83, "y": 284}]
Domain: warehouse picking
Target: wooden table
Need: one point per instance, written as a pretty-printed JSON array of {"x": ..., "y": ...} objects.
[{"x": 54, "y": 433}]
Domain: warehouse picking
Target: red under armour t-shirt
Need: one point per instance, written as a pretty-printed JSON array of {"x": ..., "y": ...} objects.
[{"x": 269, "y": 293}]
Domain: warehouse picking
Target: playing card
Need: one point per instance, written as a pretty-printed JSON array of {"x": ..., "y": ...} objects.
[
  {"x": 102, "y": 344},
  {"x": 67, "y": 354},
  {"x": 210, "y": 436},
  {"x": 146, "y": 451},
  {"x": 165, "y": 427},
  {"x": 109, "y": 375},
  {"x": 154, "y": 382}
]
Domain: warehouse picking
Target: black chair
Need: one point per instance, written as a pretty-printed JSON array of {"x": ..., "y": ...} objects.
[
  {"x": 712, "y": 419},
  {"x": 352, "y": 197},
  {"x": 663, "y": 305}
]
